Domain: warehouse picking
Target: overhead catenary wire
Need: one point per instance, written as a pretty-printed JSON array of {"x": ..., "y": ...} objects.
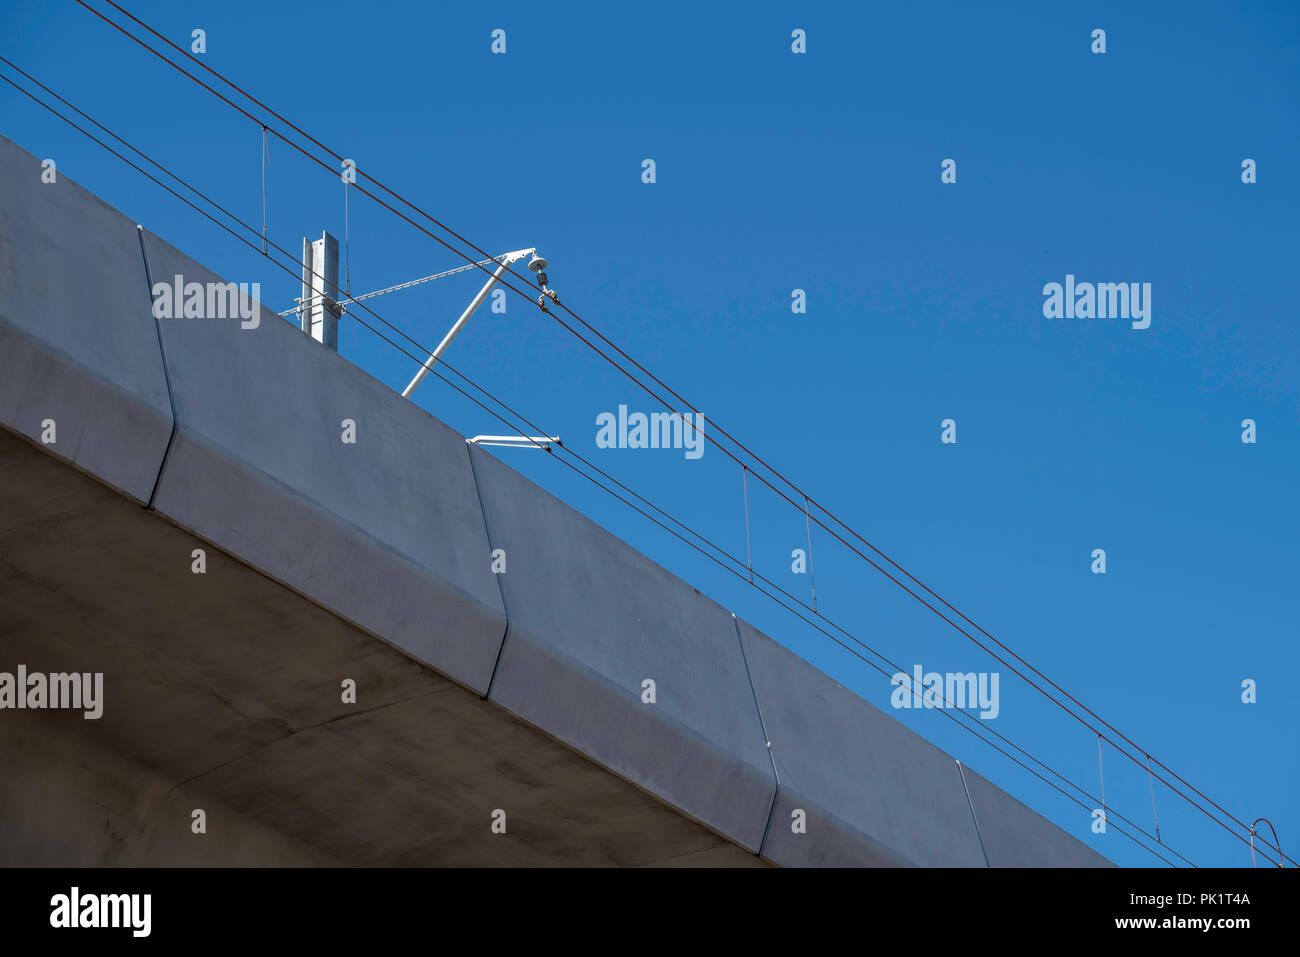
[
  {"x": 284, "y": 139},
  {"x": 719, "y": 429},
  {"x": 726, "y": 451},
  {"x": 565, "y": 325},
  {"x": 531, "y": 425},
  {"x": 595, "y": 468}
]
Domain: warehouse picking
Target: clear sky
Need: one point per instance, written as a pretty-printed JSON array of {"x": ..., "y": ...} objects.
[{"x": 821, "y": 171}]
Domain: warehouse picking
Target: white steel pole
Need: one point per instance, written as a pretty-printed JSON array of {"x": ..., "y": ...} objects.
[
  {"x": 324, "y": 291},
  {"x": 430, "y": 362},
  {"x": 304, "y": 301}
]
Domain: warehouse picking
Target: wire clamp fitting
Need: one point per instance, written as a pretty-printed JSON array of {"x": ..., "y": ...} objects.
[{"x": 538, "y": 266}]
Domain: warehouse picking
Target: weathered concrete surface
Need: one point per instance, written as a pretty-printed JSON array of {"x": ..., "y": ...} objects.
[
  {"x": 875, "y": 793},
  {"x": 67, "y": 803},
  {"x": 591, "y": 619},
  {"x": 386, "y": 531},
  {"x": 77, "y": 341},
  {"x": 222, "y": 692},
  {"x": 1016, "y": 836}
]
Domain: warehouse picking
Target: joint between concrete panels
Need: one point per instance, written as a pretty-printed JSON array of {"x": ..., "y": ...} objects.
[
  {"x": 767, "y": 739},
  {"x": 162, "y": 355},
  {"x": 505, "y": 607},
  {"x": 973, "y": 816}
]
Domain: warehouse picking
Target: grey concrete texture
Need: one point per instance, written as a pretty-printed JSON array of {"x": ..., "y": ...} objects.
[
  {"x": 78, "y": 343},
  {"x": 222, "y": 692},
  {"x": 386, "y": 531},
  {"x": 1016, "y": 836},
  {"x": 875, "y": 792},
  {"x": 590, "y": 620},
  {"x": 67, "y": 803}
]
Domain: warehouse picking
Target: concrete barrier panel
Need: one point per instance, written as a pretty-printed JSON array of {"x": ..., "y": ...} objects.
[
  {"x": 1016, "y": 836},
  {"x": 78, "y": 344},
  {"x": 590, "y": 620},
  {"x": 386, "y": 531},
  {"x": 875, "y": 793}
]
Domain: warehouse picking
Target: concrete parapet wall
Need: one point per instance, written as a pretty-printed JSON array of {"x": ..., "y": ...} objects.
[
  {"x": 78, "y": 345},
  {"x": 385, "y": 530},
  {"x": 591, "y": 621}
]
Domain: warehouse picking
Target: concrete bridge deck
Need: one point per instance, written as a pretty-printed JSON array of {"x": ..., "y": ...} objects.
[{"x": 328, "y": 561}]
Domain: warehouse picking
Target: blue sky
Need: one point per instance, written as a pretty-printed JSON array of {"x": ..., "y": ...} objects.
[{"x": 821, "y": 172}]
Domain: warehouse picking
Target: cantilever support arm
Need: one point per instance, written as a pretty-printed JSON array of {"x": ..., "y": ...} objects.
[{"x": 506, "y": 261}]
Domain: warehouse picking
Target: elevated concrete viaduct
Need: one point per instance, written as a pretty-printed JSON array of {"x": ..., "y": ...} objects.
[{"x": 131, "y": 441}]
